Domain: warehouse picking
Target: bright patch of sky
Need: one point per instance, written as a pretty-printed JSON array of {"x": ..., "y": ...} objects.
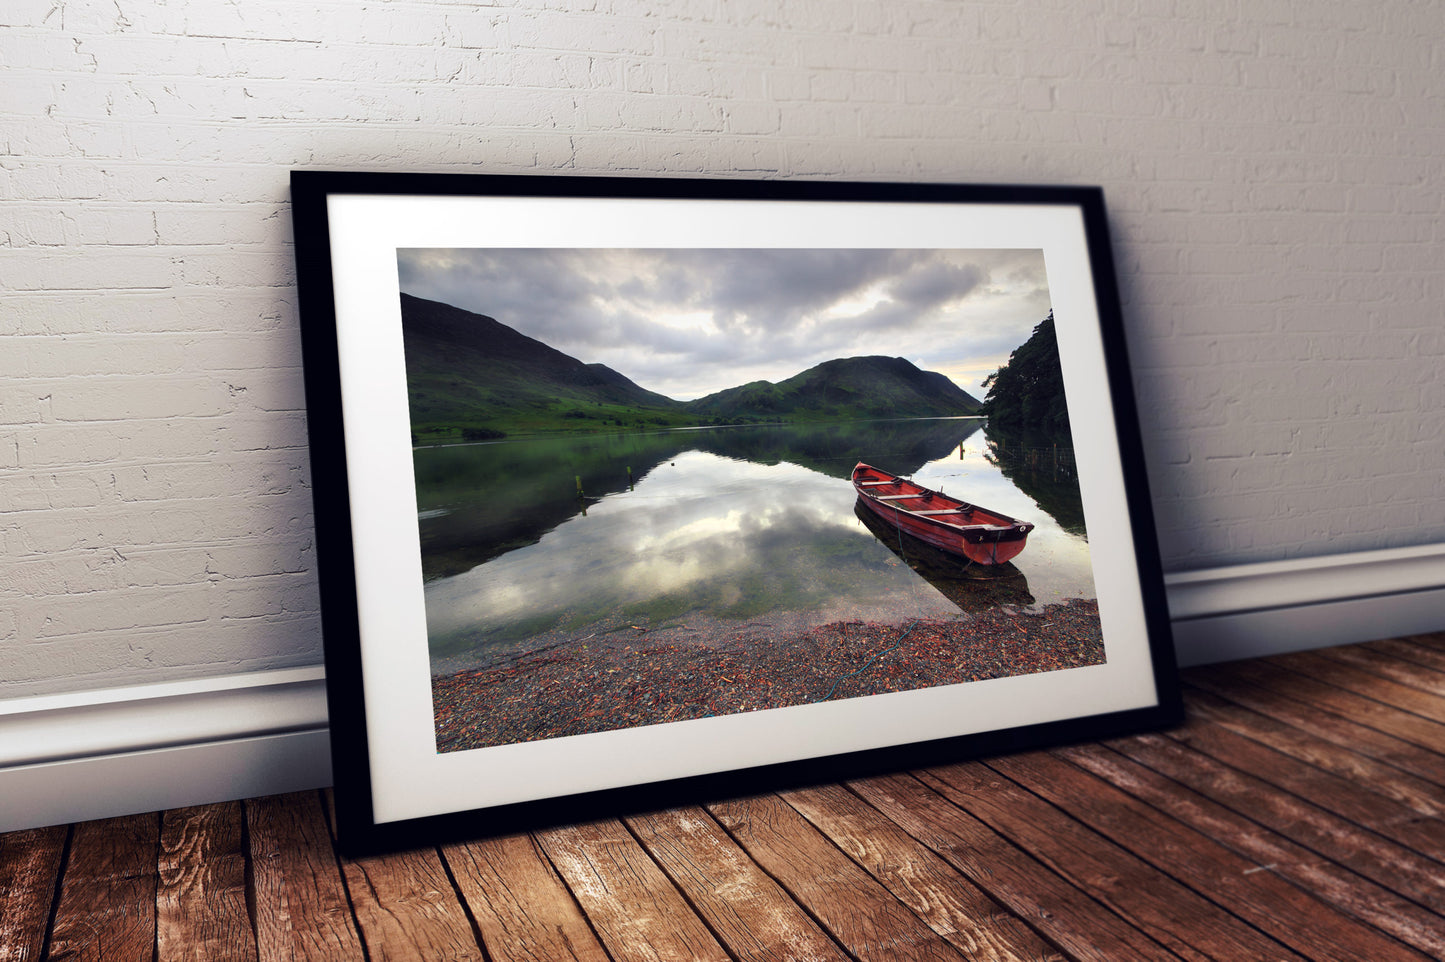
[{"x": 689, "y": 322}]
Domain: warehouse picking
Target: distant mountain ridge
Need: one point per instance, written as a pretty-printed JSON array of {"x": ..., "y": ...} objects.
[
  {"x": 873, "y": 386},
  {"x": 471, "y": 373}
]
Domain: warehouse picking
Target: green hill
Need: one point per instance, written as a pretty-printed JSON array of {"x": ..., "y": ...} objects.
[
  {"x": 471, "y": 377},
  {"x": 846, "y": 388}
]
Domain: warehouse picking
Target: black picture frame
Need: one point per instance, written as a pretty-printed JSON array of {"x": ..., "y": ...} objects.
[{"x": 392, "y": 787}]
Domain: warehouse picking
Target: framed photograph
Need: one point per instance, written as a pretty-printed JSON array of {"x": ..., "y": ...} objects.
[{"x": 630, "y": 492}]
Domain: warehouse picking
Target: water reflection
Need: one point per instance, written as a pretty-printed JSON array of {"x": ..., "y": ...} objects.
[
  {"x": 1042, "y": 465},
  {"x": 478, "y": 501},
  {"x": 699, "y": 538},
  {"x": 971, "y": 587},
  {"x": 717, "y": 530}
]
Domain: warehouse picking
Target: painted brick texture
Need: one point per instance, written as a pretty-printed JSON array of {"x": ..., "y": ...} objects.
[{"x": 1272, "y": 170}]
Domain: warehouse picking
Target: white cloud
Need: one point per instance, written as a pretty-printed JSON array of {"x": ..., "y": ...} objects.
[{"x": 690, "y": 322}]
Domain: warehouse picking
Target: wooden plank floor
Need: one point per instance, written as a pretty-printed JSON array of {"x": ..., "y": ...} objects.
[{"x": 1297, "y": 814}]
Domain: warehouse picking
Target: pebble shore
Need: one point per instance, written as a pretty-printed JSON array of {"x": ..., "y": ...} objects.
[{"x": 638, "y": 677}]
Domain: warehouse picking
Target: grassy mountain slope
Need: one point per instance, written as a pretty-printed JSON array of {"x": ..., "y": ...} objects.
[
  {"x": 468, "y": 371},
  {"x": 852, "y": 387},
  {"x": 471, "y": 377}
]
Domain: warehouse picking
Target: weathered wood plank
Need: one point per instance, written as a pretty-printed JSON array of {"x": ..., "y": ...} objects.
[
  {"x": 1304, "y": 801},
  {"x": 1269, "y": 850},
  {"x": 1336, "y": 729},
  {"x": 406, "y": 908},
  {"x": 636, "y": 911},
  {"x": 1349, "y": 705},
  {"x": 1321, "y": 666},
  {"x": 750, "y": 914},
  {"x": 300, "y": 902},
  {"x": 1365, "y": 772},
  {"x": 1411, "y": 650},
  {"x": 107, "y": 907},
  {"x": 947, "y": 901},
  {"x": 29, "y": 869},
  {"x": 1432, "y": 639},
  {"x": 405, "y": 905},
  {"x": 201, "y": 897},
  {"x": 1188, "y": 924},
  {"x": 1066, "y": 915},
  {"x": 1408, "y": 673},
  {"x": 521, "y": 907},
  {"x": 1388, "y": 863},
  {"x": 858, "y": 912},
  {"x": 1266, "y": 901},
  {"x": 1424, "y": 832}
]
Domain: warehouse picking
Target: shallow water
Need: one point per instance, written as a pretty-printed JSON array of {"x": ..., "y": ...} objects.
[{"x": 726, "y": 526}]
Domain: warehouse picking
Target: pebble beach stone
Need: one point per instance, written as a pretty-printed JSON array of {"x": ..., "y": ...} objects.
[{"x": 640, "y": 677}]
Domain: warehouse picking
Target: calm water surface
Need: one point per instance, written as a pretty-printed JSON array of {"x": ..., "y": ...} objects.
[{"x": 719, "y": 529}]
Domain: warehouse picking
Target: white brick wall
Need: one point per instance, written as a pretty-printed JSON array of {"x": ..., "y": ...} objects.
[{"x": 1272, "y": 170}]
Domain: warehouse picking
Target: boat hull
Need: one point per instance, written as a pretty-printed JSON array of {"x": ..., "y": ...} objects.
[{"x": 982, "y": 536}]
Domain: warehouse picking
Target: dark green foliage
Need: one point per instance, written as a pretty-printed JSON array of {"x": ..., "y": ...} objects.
[
  {"x": 1027, "y": 393},
  {"x": 469, "y": 372}
]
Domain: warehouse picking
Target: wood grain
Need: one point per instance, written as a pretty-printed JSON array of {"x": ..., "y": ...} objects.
[
  {"x": 635, "y": 909},
  {"x": 1432, "y": 639},
  {"x": 1413, "y": 650},
  {"x": 946, "y": 900},
  {"x": 1341, "y": 674},
  {"x": 1411, "y": 674},
  {"x": 1188, "y": 924},
  {"x": 1336, "y": 729},
  {"x": 751, "y": 914},
  {"x": 29, "y": 866},
  {"x": 107, "y": 907},
  {"x": 1418, "y": 794},
  {"x": 1349, "y": 705},
  {"x": 1385, "y": 862},
  {"x": 522, "y": 909},
  {"x": 201, "y": 909},
  {"x": 406, "y": 908},
  {"x": 1297, "y": 812},
  {"x": 1219, "y": 874},
  {"x": 1064, "y": 914},
  {"x": 300, "y": 902},
  {"x": 853, "y": 906},
  {"x": 1424, "y": 832},
  {"x": 1270, "y": 851}
]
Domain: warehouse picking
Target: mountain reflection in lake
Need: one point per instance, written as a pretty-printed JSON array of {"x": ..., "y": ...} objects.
[{"x": 716, "y": 532}]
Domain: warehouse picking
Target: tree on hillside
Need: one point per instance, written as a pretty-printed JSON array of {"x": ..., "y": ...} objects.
[{"x": 1027, "y": 393}]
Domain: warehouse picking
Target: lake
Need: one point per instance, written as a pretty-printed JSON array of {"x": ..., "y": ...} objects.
[{"x": 722, "y": 533}]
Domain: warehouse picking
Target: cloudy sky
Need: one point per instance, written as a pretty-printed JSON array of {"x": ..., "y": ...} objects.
[{"x": 689, "y": 322}]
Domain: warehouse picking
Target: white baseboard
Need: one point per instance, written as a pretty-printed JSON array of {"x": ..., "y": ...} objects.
[
  {"x": 118, "y": 751},
  {"x": 85, "y": 755},
  {"x": 1248, "y": 611}
]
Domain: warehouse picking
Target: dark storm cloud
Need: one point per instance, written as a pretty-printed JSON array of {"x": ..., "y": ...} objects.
[{"x": 690, "y": 321}]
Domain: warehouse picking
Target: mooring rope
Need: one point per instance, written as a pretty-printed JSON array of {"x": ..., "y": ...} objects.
[{"x": 898, "y": 644}]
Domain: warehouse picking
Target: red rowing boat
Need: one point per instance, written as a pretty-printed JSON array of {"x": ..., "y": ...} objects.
[{"x": 978, "y": 534}]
